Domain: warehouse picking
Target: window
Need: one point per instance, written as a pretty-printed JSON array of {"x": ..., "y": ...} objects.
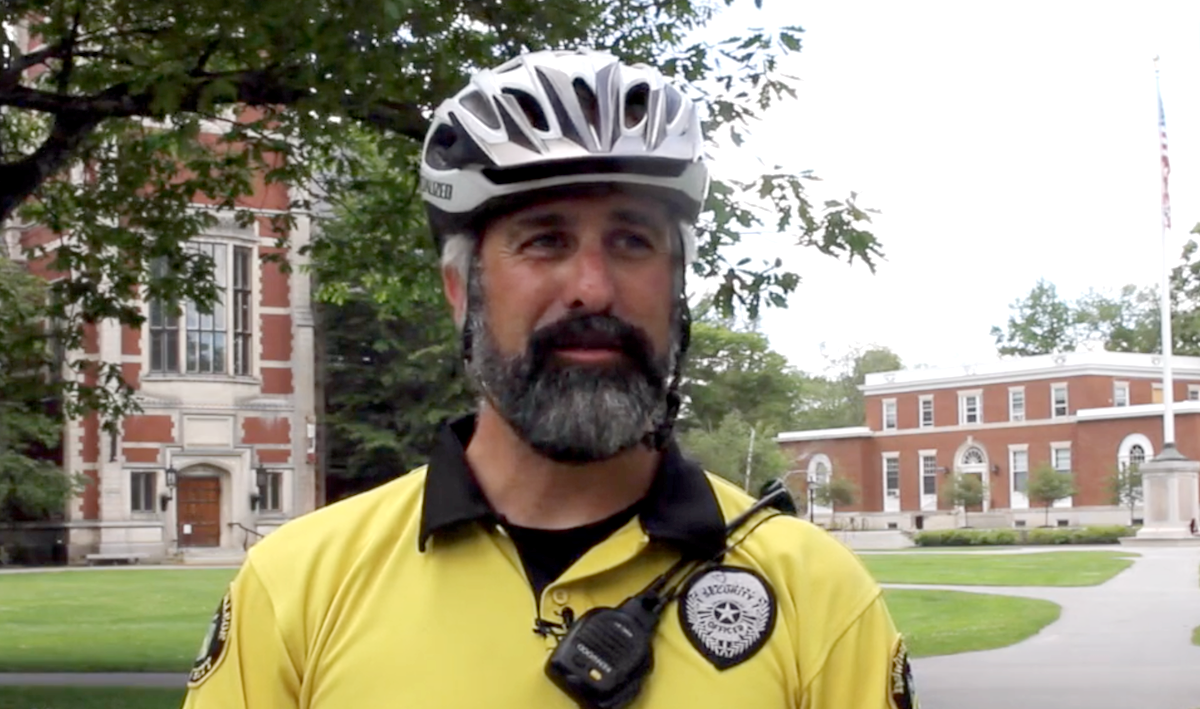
[
  {"x": 1058, "y": 399},
  {"x": 270, "y": 498},
  {"x": 205, "y": 347},
  {"x": 973, "y": 456},
  {"x": 1156, "y": 394},
  {"x": 970, "y": 408},
  {"x": 1193, "y": 392},
  {"x": 164, "y": 328},
  {"x": 889, "y": 414},
  {"x": 1061, "y": 458},
  {"x": 1137, "y": 455},
  {"x": 142, "y": 492},
  {"x": 1020, "y": 469},
  {"x": 926, "y": 411},
  {"x": 929, "y": 474},
  {"x": 1121, "y": 394},
  {"x": 241, "y": 310},
  {"x": 891, "y": 474},
  {"x": 1016, "y": 404}
]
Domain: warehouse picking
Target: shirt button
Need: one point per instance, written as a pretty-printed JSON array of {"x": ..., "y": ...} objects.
[{"x": 560, "y": 595}]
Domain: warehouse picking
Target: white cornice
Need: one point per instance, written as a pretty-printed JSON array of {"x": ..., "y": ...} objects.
[
  {"x": 826, "y": 434},
  {"x": 1139, "y": 411},
  {"x": 881, "y": 386}
]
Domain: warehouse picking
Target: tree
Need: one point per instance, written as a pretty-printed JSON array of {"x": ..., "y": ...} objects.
[
  {"x": 122, "y": 95},
  {"x": 1041, "y": 323},
  {"x": 836, "y": 400},
  {"x": 733, "y": 368},
  {"x": 835, "y": 492},
  {"x": 1125, "y": 486},
  {"x": 32, "y": 485},
  {"x": 1047, "y": 486},
  {"x": 965, "y": 491},
  {"x": 723, "y": 451}
]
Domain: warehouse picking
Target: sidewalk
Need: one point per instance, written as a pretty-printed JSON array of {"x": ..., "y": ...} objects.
[{"x": 1123, "y": 644}]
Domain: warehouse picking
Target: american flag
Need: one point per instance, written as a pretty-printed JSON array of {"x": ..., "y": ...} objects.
[{"x": 1166, "y": 164}]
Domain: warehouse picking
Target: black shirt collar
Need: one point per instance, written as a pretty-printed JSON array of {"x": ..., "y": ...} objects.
[{"x": 680, "y": 507}]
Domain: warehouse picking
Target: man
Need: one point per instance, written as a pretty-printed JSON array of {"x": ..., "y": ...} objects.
[{"x": 562, "y": 188}]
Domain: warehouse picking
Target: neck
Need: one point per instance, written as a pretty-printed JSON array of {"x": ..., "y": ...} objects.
[{"x": 530, "y": 490}]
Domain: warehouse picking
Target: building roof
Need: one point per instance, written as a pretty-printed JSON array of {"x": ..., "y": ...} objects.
[{"x": 1051, "y": 366}]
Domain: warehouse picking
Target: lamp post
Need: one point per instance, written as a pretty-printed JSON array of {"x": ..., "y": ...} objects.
[{"x": 166, "y": 497}]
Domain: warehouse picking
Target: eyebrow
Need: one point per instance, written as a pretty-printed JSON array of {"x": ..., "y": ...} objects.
[{"x": 556, "y": 219}]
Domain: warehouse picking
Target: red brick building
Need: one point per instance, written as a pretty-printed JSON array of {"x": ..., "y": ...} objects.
[{"x": 1086, "y": 412}]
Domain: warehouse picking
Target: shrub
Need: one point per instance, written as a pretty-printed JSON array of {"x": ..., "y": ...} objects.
[{"x": 1007, "y": 537}]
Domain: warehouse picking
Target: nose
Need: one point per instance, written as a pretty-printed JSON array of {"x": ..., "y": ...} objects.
[{"x": 590, "y": 285}]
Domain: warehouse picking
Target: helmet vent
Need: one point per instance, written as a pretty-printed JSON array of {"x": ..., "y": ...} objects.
[
  {"x": 481, "y": 108},
  {"x": 674, "y": 102},
  {"x": 441, "y": 144},
  {"x": 587, "y": 102},
  {"x": 636, "y": 102},
  {"x": 531, "y": 108}
]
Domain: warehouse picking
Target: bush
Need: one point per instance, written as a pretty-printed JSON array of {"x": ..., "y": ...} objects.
[{"x": 1007, "y": 537}]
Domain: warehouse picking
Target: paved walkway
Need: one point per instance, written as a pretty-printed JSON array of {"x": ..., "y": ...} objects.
[{"x": 1120, "y": 645}]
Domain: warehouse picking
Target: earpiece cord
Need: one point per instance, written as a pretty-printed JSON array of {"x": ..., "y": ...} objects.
[{"x": 674, "y": 590}]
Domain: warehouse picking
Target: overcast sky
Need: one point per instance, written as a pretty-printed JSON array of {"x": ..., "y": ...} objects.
[{"x": 1001, "y": 142}]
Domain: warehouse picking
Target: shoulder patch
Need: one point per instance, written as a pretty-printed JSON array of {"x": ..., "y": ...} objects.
[
  {"x": 728, "y": 614},
  {"x": 901, "y": 694},
  {"x": 216, "y": 642}
]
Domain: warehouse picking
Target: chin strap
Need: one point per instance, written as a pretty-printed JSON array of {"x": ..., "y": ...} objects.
[{"x": 660, "y": 436}]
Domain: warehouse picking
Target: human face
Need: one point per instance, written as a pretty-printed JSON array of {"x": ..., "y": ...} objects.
[{"x": 571, "y": 304}]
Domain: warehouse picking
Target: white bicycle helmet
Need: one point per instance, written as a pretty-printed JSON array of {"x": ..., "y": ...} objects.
[{"x": 558, "y": 121}]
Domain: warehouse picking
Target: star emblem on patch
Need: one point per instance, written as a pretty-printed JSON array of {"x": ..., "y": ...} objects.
[{"x": 727, "y": 613}]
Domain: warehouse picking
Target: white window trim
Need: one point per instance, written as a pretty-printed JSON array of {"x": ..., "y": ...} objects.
[
  {"x": 1054, "y": 388},
  {"x": 921, "y": 411},
  {"x": 885, "y": 457},
  {"x": 1024, "y": 404},
  {"x": 921, "y": 455},
  {"x": 962, "y": 409},
  {"x": 1062, "y": 445},
  {"x": 1014, "y": 448},
  {"x": 1193, "y": 389},
  {"x": 1121, "y": 386},
  {"x": 895, "y": 415}
]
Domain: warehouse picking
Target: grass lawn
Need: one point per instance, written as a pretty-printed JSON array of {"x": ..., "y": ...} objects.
[
  {"x": 97, "y": 621},
  {"x": 1066, "y": 568},
  {"x": 948, "y": 622},
  {"x": 89, "y": 698}
]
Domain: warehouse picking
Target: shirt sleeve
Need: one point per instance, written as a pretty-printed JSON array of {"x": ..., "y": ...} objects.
[
  {"x": 866, "y": 667},
  {"x": 244, "y": 662}
]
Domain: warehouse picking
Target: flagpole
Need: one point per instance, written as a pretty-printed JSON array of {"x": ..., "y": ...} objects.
[{"x": 1168, "y": 388}]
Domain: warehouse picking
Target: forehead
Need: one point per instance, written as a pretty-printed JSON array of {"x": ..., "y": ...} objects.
[{"x": 578, "y": 211}]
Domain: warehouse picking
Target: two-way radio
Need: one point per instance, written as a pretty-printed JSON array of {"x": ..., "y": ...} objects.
[{"x": 606, "y": 654}]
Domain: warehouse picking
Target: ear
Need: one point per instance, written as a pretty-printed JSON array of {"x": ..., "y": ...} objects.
[{"x": 455, "y": 289}]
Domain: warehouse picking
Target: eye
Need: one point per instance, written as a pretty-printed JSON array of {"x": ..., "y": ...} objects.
[
  {"x": 635, "y": 242},
  {"x": 546, "y": 241}
]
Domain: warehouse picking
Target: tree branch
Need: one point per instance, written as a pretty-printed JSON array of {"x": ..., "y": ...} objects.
[{"x": 22, "y": 178}]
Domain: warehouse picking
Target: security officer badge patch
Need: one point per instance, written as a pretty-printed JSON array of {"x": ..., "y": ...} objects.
[
  {"x": 728, "y": 614},
  {"x": 212, "y": 650},
  {"x": 900, "y": 680}
]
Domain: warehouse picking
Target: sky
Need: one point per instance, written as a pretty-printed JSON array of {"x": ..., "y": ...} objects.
[{"x": 1000, "y": 142}]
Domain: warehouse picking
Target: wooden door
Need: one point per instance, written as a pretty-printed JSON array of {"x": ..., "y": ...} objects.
[{"x": 199, "y": 511}]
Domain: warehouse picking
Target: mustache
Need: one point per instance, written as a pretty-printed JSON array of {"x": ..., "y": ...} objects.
[{"x": 593, "y": 331}]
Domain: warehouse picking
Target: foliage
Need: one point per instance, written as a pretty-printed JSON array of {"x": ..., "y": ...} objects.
[
  {"x": 127, "y": 87},
  {"x": 723, "y": 451},
  {"x": 32, "y": 486},
  {"x": 1128, "y": 320},
  {"x": 1047, "y": 486},
  {"x": 1125, "y": 486},
  {"x": 733, "y": 368},
  {"x": 1041, "y": 323},
  {"x": 965, "y": 491},
  {"x": 390, "y": 351},
  {"x": 1004, "y": 537},
  {"x": 836, "y": 491},
  {"x": 834, "y": 400}
]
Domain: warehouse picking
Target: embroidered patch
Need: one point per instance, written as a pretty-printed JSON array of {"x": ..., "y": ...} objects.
[
  {"x": 727, "y": 613},
  {"x": 212, "y": 650},
  {"x": 900, "y": 680}
]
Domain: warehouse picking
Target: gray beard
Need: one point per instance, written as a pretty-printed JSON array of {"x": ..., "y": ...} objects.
[{"x": 568, "y": 413}]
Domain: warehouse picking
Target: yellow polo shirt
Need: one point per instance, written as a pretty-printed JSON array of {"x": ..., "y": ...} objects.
[{"x": 412, "y": 596}]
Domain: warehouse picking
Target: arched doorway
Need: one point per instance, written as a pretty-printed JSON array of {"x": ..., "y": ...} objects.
[
  {"x": 972, "y": 460},
  {"x": 1135, "y": 449},
  {"x": 820, "y": 469},
  {"x": 198, "y": 507}
]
